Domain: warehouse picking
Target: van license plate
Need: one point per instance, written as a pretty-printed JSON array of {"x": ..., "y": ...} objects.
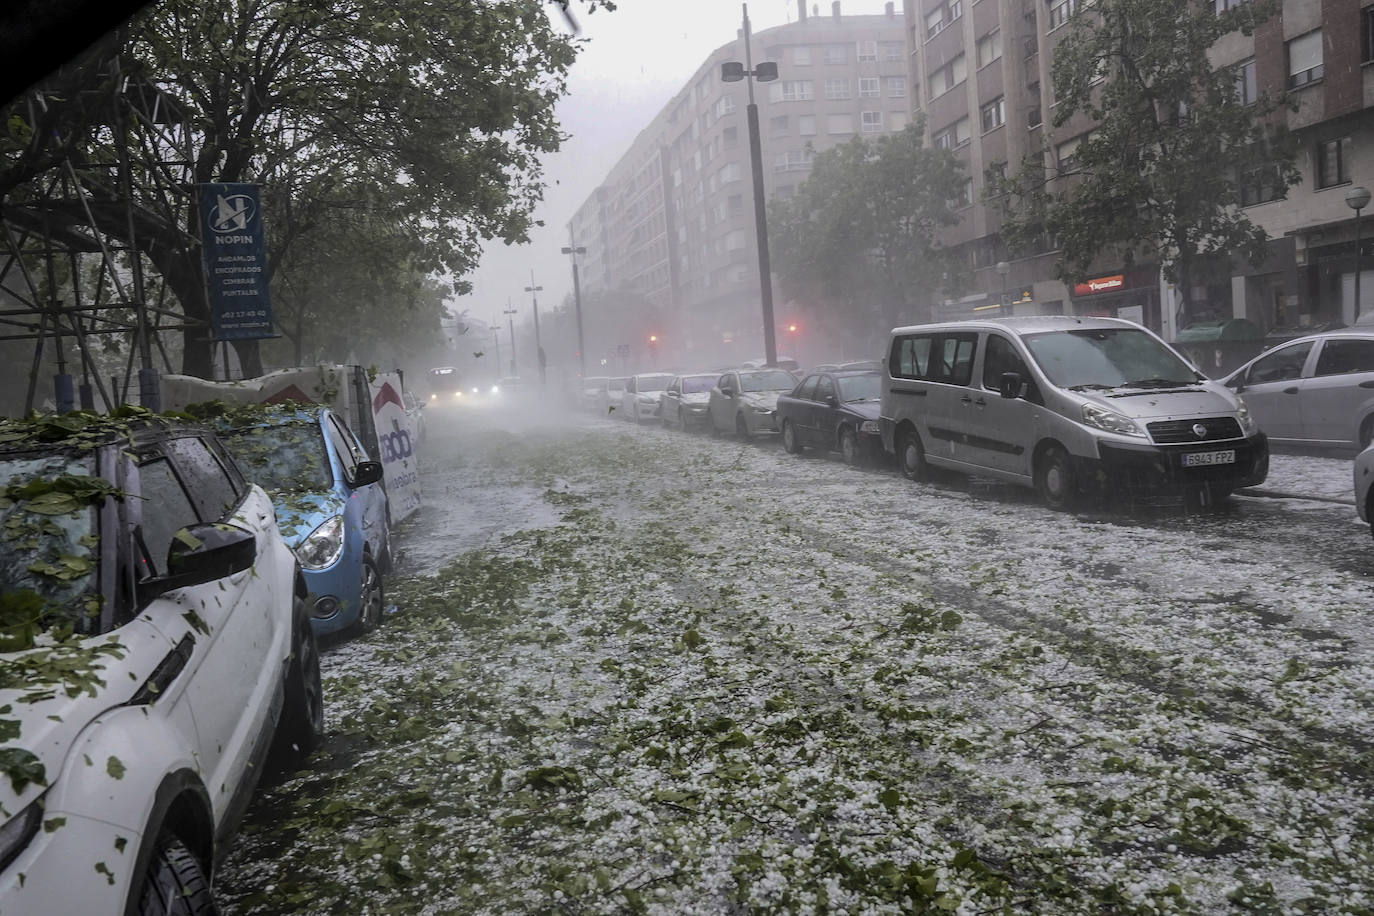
[{"x": 1203, "y": 459}]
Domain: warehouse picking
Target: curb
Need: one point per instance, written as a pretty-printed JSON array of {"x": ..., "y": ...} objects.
[{"x": 1279, "y": 494}]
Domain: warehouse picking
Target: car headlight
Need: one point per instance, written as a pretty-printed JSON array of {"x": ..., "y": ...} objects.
[
  {"x": 869, "y": 426},
  {"x": 324, "y": 546},
  {"x": 1110, "y": 421},
  {"x": 18, "y": 831},
  {"x": 1248, "y": 425},
  {"x": 495, "y": 389}
]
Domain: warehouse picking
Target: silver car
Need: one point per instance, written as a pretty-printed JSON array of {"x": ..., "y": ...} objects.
[
  {"x": 1314, "y": 391},
  {"x": 639, "y": 400},
  {"x": 685, "y": 401},
  {"x": 745, "y": 401}
]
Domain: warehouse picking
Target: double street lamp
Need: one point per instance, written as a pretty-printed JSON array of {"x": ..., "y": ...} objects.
[
  {"x": 733, "y": 71},
  {"x": 538, "y": 344},
  {"x": 1357, "y": 198},
  {"x": 573, "y": 251}
]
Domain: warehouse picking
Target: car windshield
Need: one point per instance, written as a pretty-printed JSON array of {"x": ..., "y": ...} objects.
[
  {"x": 698, "y": 384},
  {"x": 286, "y": 458},
  {"x": 1105, "y": 358},
  {"x": 860, "y": 387},
  {"x": 653, "y": 382},
  {"x": 770, "y": 380},
  {"x": 47, "y": 558}
]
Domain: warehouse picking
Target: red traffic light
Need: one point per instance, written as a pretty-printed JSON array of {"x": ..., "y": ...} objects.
[
  {"x": 791, "y": 329},
  {"x": 653, "y": 338}
]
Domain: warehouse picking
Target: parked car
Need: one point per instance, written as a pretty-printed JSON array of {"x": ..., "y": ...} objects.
[
  {"x": 833, "y": 411},
  {"x": 154, "y": 631},
  {"x": 639, "y": 400},
  {"x": 1364, "y": 493},
  {"x": 1065, "y": 405},
  {"x": 330, "y": 504},
  {"x": 608, "y": 398},
  {"x": 685, "y": 400},
  {"x": 743, "y": 401},
  {"x": 783, "y": 362},
  {"x": 1314, "y": 391},
  {"x": 589, "y": 390}
]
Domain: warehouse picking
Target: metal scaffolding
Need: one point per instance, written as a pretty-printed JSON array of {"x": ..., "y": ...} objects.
[{"x": 105, "y": 173}]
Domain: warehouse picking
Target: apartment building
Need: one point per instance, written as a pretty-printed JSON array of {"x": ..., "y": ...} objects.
[
  {"x": 673, "y": 221},
  {"x": 982, "y": 72}
]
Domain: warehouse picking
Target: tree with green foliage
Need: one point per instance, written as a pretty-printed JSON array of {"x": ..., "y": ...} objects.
[
  {"x": 1175, "y": 138},
  {"x": 857, "y": 241},
  {"x": 436, "y": 115}
]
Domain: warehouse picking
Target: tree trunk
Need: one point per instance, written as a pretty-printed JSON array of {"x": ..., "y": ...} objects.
[{"x": 250, "y": 357}]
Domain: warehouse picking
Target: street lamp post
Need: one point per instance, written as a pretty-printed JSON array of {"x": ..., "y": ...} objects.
[
  {"x": 538, "y": 343},
  {"x": 1356, "y": 199},
  {"x": 573, "y": 251},
  {"x": 733, "y": 71},
  {"x": 510, "y": 317},
  {"x": 496, "y": 339},
  {"x": 1003, "y": 268}
]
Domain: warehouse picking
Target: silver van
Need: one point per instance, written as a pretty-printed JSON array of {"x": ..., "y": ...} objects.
[{"x": 1067, "y": 405}]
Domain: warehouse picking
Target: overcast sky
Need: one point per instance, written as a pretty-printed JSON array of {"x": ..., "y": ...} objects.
[{"x": 635, "y": 59}]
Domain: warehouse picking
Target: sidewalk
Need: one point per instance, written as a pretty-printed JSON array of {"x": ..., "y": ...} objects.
[{"x": 1307, "y": 477}]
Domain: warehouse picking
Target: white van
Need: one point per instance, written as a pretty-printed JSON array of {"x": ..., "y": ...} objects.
[{"x": 1067, "y": 405}]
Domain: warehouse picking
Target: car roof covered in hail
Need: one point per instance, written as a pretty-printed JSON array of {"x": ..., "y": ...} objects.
[{"x": 1030, "y": 324}]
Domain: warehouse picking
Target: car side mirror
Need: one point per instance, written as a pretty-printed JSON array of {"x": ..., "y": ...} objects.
[
  {"x": 832, "y": 401},
  {"x": 202, "y": 553},
  {"x": 366, "y": 473},
  {"x": 1011, "y": 385}
]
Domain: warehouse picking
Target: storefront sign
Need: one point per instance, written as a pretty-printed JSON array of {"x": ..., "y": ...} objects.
[
  {"x": 234, "y": 253},
  {"x": 1100, "y": 285}
]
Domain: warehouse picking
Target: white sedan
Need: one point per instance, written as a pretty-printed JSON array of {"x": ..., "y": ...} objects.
[
  {"x": 639, "y": 400},
  {"x": 745, "y": 401}
]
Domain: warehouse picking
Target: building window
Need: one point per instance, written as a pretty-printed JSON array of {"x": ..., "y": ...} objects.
[
  {"x": 952, "y": 137},
  {"x": 839, "y": 124},
  {"x": 837, "y": 89},
  {"x": 778, "y": 125},
  {"x": 792, "y": 91},
  {"x": 793, "y": 161},
  {"x": 965, "y": 196},
  {"x": 868, "y": 50},
  {"x": 1247, "y": 89},
  {"x": 835, "y": 54},
  {"x": 868, "y": 87},
  {"x": 896, "y": 120},
  {"x": 948, "y": 76},
  {"x": 989, "y": 49},
  {"x": 731, "y": 137},
  {"x": 896, "y": 87},
  {"x": 801, "y": 57},
  {"x": 1367, "y": 35},
  {"x": 806, "y": 125},
  {"x": 940, "y": 18},
  {"x": 994, "y": 114},
  {"x": 1305, "y": 59},
  {"x": 1067, "y": 154},
  {"x": 870, "y": 122},
  {"x": 1259, "y": 186},
  {"x": 1333, "y": 162},
  {"x": 1060, "y": 11},
  {"x": 1222, "y": 6}
]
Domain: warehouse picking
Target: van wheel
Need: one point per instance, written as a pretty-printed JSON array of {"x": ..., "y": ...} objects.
[
  {"x": 789, "y": 438},
  {"x": 913, "y": 455},
  {"x": 1054, "y": 478},
  {"x": 175, "y": 882}
]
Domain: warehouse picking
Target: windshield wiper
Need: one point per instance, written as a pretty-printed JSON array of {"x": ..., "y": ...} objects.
[{"x": 1091, "y": 386}]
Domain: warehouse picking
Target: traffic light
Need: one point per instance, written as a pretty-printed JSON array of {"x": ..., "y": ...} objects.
[{"x": 792, "y": 328}]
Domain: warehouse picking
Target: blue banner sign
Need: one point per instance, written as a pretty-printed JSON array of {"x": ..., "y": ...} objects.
[{"x": 234, "y": 252}]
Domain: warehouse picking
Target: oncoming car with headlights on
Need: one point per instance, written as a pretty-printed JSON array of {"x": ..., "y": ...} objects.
[
  {"x": 330, "y": 503},
  {"x": 445, "y": 385}
]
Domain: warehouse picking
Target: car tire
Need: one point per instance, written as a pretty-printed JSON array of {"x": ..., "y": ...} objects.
[
  {"x": 742, "y": 428},
  {"x": 1055, "y": 479},
  {"x": 301, "y": 726},
  {"x": 175, "y": 883},
  {"x": 789, "y": 438},
  {"x": 911, "y": 454},
  {"x": 371, "y": 597},
  {"x": 850, "y": 448}
]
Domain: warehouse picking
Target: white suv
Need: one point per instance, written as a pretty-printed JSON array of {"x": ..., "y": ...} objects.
[{"x": 155, "y": 651}]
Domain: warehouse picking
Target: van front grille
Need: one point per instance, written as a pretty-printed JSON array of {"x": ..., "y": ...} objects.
[{"x": 1182, "y": 432}]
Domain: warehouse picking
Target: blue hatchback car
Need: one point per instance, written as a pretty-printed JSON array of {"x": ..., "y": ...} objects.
[{"x": 330, "y": 505}]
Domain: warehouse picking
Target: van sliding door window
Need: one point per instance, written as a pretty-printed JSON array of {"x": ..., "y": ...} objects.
[
  {"x": 953, "y": 364},
  {"x": 911, "y": 357}
]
